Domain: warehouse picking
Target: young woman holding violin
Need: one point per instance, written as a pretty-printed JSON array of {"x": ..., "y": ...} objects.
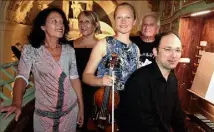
[{"x": 106, "y": 50}]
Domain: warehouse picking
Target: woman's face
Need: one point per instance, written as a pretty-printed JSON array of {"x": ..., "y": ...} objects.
[
  {"x": 86, "y": 28},
  {"x": 54, "y": 26},
  {"x": 124, "y": 19}
]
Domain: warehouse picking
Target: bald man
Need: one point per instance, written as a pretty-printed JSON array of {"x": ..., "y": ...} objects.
[{"x": 150, "y": 102}]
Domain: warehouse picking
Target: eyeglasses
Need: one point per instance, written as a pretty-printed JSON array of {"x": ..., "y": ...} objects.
[
  {"x": 149, "y": 25},
  {"x": 170, "y": 50}
]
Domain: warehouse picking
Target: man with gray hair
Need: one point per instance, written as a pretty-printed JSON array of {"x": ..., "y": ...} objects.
[{"x": 149, "y": 28}]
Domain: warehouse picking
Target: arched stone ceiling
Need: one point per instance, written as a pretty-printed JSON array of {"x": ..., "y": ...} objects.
[
  {"x": 108, "y": 7},
  {"x": 24, "y": 11}
]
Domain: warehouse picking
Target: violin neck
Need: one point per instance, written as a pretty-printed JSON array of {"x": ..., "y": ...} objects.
[
  {"x": 107, "y": 92},
  {"x": 106, "y": 98}
]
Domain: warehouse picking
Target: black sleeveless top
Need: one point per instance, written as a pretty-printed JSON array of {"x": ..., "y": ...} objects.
[{"x": 82, "y": 57}]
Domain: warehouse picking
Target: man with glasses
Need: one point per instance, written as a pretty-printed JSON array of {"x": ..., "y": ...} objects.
[
  {"x": 149, "y": 28},
  {"x": 150, "y": 102}
]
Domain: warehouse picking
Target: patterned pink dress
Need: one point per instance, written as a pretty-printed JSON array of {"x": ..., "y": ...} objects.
[{"x": 56, "y": 107}]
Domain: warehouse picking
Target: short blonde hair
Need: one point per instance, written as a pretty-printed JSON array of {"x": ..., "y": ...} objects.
[{"x": 93, "y": 18}]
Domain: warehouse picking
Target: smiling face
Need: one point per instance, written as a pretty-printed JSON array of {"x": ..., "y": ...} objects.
[
  {"x": 149, "y": 26},
  {"x": 124, "y": 19},
  {"x": 54, "y": 26},
  {"x": 86, "y": 27},
  {"x": 169, "y": 52}
]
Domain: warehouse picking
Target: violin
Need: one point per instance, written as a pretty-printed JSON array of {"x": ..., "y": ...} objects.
[{"x": 105, "y": 103}]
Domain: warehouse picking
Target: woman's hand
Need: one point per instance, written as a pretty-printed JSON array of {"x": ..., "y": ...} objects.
[
  {"x": 107, "y": 80},
  {"x": 12, "y": 109},
  {"x": 80, "y": 117}
]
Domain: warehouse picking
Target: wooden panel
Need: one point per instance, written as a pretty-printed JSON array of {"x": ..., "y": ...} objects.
[
  {"x": 165, "y": 27},
  {"x": 189, "y": 2},
  {"x": 207, "y": 109},
  {"x": 209, "y": 1},
  {"x": 208, "y": 33},
  {"x": 176, "y": 5},
  {"x": 192, "y": 31},
  {"x": 175, "y": 25},
  {"x": 189, "y": 32},
  {"x": 167, "y": 10}
]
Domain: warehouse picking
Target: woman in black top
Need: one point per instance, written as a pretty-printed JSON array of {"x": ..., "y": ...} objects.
[{"x": 89, "y": 26}]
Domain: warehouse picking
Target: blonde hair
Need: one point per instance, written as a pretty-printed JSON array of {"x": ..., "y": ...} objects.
[
  {"x": 126, "y": 4},
  {"x": 93, "y": 18}
]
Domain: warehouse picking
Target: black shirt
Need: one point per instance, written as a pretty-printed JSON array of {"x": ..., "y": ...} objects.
[
  {"x": 82, "y": 57},
  {"x": 146, "y": 54},
  {"x": 150, "y": 103}
]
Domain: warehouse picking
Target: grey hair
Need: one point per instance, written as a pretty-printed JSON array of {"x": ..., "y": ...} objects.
[{"x": 152, "y": 14}]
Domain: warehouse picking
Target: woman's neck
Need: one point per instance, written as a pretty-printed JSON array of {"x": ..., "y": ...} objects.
[
  {"x": 88, "y": 39},
  {"x": 123, "y": 38},
  {"x": 51, "y": 43},
  {"x": 85, "y": 42}
]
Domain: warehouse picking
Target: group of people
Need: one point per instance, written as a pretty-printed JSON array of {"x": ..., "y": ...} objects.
[{"x": 67, "y": 73}]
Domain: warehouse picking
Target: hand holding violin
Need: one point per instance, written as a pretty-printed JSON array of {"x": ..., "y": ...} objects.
[{"x": 107, "y": 80}]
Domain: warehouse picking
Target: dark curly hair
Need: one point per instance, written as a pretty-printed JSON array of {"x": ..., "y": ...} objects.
[{"x": 37, "y": 35}]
